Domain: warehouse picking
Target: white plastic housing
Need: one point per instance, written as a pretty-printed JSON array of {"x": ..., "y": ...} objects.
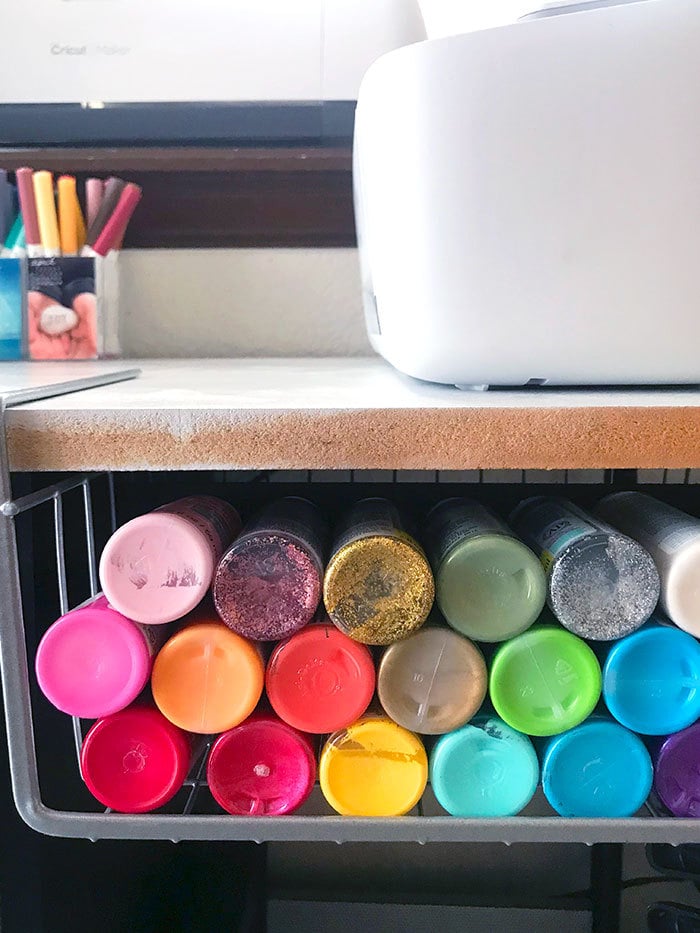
[
  {"x": 528, "y": 200},
  {"x": 143, "y": 51}
]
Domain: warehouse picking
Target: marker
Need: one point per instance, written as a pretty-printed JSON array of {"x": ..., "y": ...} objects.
[
  {"x": 94, "y": 190},
  {"x": 46, "y": 213},
  {"x": 112, "y": 192},
  {"x": 6, "y": 212},
  {"x": 114, "y": 229},
  {"x": 15, "y": 243},
  {"x": 67, "y": 215},
  {"x": 27, "y": 204}
]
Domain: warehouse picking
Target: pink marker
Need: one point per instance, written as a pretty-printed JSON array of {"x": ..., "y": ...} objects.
[
  {"x": 116, "y": 225},
  {"x": 94, "y": 189},
  {"x": 159, "y": 566},
  {"x": 27, "y": 204},
  {"x": 94, "y": 661},
  {"x": 261, "y": 768}
]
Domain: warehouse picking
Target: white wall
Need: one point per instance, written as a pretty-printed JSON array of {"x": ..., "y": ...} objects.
[{"x": 252, "y": 302}]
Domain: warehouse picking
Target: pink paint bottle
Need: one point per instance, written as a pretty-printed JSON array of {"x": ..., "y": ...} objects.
[
  {"x": 135, "y": 761},
  {"x": 94, "y": 661},
  {"x": 159, "y": 566},
  {"x": 261, "y": 768}
]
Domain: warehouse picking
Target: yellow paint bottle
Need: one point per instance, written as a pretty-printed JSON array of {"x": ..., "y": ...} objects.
[{"x": 373, "y": 768}]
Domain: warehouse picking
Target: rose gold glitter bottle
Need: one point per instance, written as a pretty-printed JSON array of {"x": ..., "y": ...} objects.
[
  {"x": 378, "y": 586},
  {"x": 432, "y": 682}
]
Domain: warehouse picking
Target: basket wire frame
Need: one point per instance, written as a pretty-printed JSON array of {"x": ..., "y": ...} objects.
[{"x": 187, "y": 824}]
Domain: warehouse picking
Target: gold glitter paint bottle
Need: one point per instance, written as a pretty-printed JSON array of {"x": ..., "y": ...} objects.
[{"x": 378, "y": 586}]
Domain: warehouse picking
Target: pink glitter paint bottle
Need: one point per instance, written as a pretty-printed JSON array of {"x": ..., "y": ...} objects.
[
  {"x": 159, "y": 566},
  {"x": 268, "y": 584}
]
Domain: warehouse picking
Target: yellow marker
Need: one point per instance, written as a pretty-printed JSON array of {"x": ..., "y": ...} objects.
[
  {"x": 46, "y": 213},
  {"x": 373, "y": 768},
  {"x": 68, "y": 215}
]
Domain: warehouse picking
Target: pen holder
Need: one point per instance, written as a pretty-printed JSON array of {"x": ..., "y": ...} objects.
[
  {"x": 72, "y": 307},
  {"x": 12, "y": 280}
]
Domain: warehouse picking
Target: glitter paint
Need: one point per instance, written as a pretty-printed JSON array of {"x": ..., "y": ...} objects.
[
  {"x": 432, "y": 682},
  {"x": 158, "y": 567},
  {"x": 268, "y": 584},
  {"x": 489, "y": 585},
  {"x": 601, "y": 584},
  {"x": 373, "y": 768},
  {"x": 378, "y": 586},
  {"x": 672, "y": 538}
]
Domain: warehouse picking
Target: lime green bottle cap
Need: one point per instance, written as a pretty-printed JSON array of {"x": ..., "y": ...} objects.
[
  {"x": 490, "y": 587},
  {"x": 544, "y": 681}
]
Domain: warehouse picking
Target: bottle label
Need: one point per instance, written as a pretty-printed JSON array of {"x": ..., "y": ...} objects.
[
  {"x": 549, "y": 526},
  {"x": 371, "y": 518},
  {"x": 297, "y": 518},
  {"x": 218, "y": 521},
  {"x": 455, "y": 520},
  {"x": 654, "y": 524}
]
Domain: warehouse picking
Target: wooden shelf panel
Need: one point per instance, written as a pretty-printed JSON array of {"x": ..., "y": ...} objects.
[
  {"x": 345, "y": 414},
  {"x": 221, "y": 197}
]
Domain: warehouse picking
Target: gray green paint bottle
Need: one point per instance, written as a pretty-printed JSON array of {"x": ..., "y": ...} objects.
[{"x": 489, "y": 585}]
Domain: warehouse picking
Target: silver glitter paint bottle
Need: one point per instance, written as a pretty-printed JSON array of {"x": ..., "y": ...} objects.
[{"x": 601, "y": 584}]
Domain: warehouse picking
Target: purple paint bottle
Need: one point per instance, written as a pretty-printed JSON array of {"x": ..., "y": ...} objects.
[
  {"x": 268, "y": 584},
  {"x": 677, "y": 771}
]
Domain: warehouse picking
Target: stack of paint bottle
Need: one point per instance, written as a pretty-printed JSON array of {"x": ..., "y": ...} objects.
[{"x": 489, "y": 659}]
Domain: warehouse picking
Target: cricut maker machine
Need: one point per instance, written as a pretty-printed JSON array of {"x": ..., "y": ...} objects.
[
  {"x": 528, "y": 199},
  {"x": 110, "y": 71}
]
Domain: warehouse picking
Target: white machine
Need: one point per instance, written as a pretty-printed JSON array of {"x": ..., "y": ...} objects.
[
  {"x": 142, "y": 70},
  {"x": 528, "y": 199}
]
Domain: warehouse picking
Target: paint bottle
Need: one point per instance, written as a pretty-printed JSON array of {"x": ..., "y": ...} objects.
[
  {"x": 159, "y": 566},
  {"x": 488, "y": 584},
  {"x": 597, "y": 769},
  {"x": 484, "y": 769},
  {"x": 94, "y": 661},
  {"x": 263, "y": 767},
  {"x": 651, "y": 679},
  {"x": 378, "y": 586},
  {"x": 319, "y": 680},
  {"x": 672, "y": 538},
  {"x": 432, "y": 682},
  {"x": 134, "y": 761},
  {"x": 268, "y": 584},
  {"x": 544, "y": 681},
  {"x": 206, "y": 678},
  {"x": 373, "y": 768},
  {"x": 677, "y": 771},
  {"x": 600, "y": 583}
]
